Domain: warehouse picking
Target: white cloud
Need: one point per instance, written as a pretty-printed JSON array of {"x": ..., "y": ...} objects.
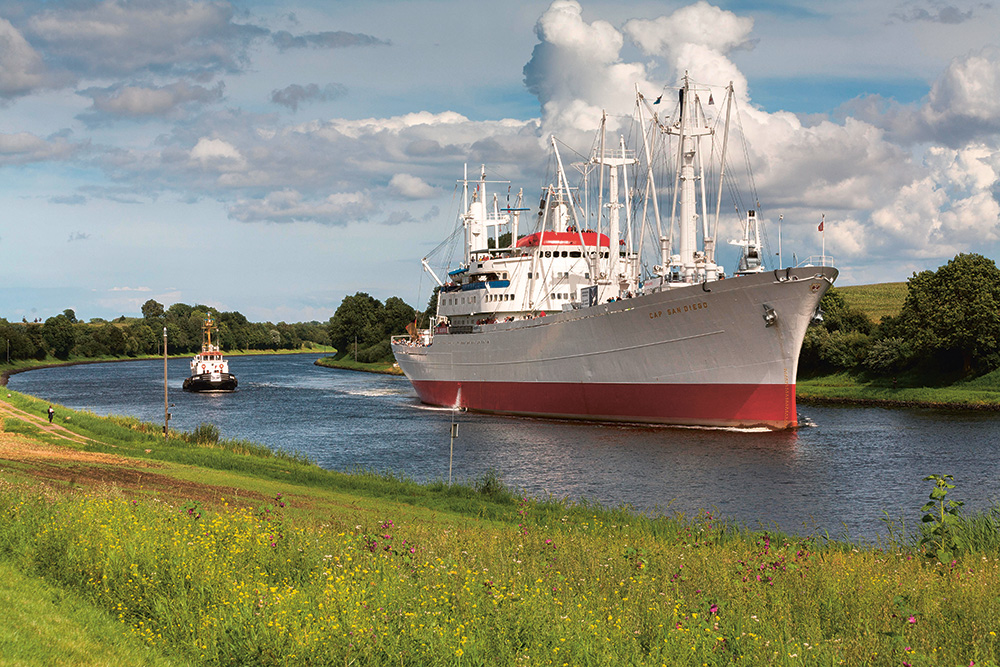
[
  {"x": 145, "y": 101},
  {"x": 412, "y": 187},
  {"x": 217, "y": 154},
  {"x": 576, "y": 70},
  {"x": 23, "y": 147},
  {"x": 699, "y": 24},
  {"x": 21, "y": 67},
  {"x": 121, "y": 36},
  {"x": 290, "y": 206}
]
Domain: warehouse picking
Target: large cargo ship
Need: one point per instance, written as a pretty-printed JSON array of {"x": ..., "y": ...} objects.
[{"x": 567, "y": 322}]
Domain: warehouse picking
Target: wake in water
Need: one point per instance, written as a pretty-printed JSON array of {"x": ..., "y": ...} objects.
[{"x": 371, "y": 393}]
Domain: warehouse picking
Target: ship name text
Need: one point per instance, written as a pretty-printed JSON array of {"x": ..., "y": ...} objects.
[{"x": 678, "y": 309}]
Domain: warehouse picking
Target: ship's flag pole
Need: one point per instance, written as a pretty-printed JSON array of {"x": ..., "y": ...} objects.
[
  {"x": 780, "y": 218},
  {"x": 822, "y": 224}
]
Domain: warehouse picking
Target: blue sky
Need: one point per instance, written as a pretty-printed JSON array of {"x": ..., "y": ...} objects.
[{"x": 273, "y": 157}]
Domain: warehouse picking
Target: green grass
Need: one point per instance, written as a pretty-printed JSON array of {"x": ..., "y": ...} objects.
[
  {"x": 45, "y": 624},
  {"x": 228, "y": 585},
  {"x": 982, "y": 393},
  {"x": 384, "y": 367},
  {"x": 289, "y": 564},
  {"x": 876, "y": 301}
]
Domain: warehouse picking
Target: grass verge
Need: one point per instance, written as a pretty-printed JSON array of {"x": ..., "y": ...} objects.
[
  {"x": 271, "y": 561},
  {"x": 383, "y": 367},
  {"x": 982, "y": 393}
]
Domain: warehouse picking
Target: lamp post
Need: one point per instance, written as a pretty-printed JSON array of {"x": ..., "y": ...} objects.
[{"x": 166, "y": 407}]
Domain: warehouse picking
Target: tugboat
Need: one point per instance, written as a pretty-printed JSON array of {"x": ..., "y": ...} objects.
[{"x": 209, "y": 371}]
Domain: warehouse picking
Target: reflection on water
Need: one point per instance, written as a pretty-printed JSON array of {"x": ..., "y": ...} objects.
[{"x": 838, "y": 474}]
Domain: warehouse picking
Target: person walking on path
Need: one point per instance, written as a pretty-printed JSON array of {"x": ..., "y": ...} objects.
[{"x": 52, "y": 413}]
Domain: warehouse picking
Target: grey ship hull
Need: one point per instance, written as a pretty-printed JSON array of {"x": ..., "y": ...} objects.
[{"x": 723, "y": 353}]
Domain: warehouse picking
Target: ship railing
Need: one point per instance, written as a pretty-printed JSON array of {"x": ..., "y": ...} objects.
[
  {"x": 817, "y": 260},
  {"x": 423, "y": 339}
]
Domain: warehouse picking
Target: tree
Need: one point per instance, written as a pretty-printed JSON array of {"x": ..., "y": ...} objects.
[
  {"x": 152, "y": 310},
  {"x": 359, "y": 318},
  {"x": 432, "y": 304},
  {"x": 954, "y": 314},
  {"x": 397, "y": 316},
  {"x": 70, "y": 315},
  {"x": 58, "y": 334}
]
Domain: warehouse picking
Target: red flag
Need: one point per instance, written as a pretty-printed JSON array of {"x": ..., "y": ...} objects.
[{"x": 822, "y": 220}]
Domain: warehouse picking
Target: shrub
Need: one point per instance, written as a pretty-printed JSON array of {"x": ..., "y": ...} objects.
[{"x": 205, "y": 434}]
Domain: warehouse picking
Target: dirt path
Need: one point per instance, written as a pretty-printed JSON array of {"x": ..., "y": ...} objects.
[
  {"x": 67, "y": 464},
  {"x": 42, "y": 422}
]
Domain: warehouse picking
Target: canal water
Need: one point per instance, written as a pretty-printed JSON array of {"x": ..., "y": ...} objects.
[{"x": 842, "y": 474}]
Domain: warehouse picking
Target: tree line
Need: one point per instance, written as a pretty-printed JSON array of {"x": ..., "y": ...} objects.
[
  {"x": 64, "y": 336},
  {"x": 949, "y": 326},
  {"x": 362, "y": 326}
]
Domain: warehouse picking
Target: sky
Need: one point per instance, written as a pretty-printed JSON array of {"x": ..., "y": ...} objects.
[{"x": 272, "y": 157}]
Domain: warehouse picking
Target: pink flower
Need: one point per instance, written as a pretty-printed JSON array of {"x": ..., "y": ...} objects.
[
  {"x": 911, "y": 619},
  {"x": 714, "y": 609}
]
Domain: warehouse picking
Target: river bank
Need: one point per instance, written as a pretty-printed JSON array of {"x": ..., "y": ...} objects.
[
  {"x": 982, "y": 393},
  {"x": 381, "y": 367},
  {"x": 375, "y": 569},
  {"x": 6, "y": 370}
]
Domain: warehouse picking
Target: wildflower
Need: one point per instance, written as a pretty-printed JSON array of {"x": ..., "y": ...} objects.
[
  {"x": 911, "y": 620},
  {"x": 714, "y": 609}
]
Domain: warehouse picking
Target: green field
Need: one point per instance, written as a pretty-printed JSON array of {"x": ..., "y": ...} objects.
[{"x": 876, "y": 301}]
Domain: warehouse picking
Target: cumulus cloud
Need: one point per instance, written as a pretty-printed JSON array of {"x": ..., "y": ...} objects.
[
  {"x": 285, "y": 40},
  {"x": 217, "y": 154},
  {"x": 294, "y": 95},
  {"x": 699, "y": 24},
  {"x": 935, "y": 12},
  {"x": 24, "y": 147},
  {"x": 139, "y": 102},
  {"x": 883, "y": 197},
  {"x": 576, "y": 69},
  {"x": 116, "y": 37},
  {"x": 883, "y": 191},
  {"x": 290, "y": 206},
  {"x": 22, "y": 69},
  {"x": 411, "y": 187}
]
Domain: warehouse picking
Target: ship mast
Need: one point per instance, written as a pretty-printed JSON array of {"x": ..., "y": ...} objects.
[
  {"x": 685, "y": 197},
  {"x": 617, "y": 161}
]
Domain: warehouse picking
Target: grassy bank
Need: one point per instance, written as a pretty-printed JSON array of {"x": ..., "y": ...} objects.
[
  {"x": 346, "y": 363},
  {"x": 982, "y": 393},
  {"x": 21, "y": 365},
  {"x": 224, "y": 553}
]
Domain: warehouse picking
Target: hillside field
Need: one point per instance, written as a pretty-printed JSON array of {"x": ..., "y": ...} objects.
[{"x": 876, "y": 301}]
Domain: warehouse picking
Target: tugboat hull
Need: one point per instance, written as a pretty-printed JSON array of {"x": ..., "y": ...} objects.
[{"x": 205, "y": 382}]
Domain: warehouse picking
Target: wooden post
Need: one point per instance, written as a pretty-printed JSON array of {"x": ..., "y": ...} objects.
[{"x": 451, "y": 450}]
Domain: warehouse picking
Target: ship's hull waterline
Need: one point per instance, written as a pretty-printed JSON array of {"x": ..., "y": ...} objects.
[
  {"x": 724, "y": 353},
  {"x": 204, "y": 383}
]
